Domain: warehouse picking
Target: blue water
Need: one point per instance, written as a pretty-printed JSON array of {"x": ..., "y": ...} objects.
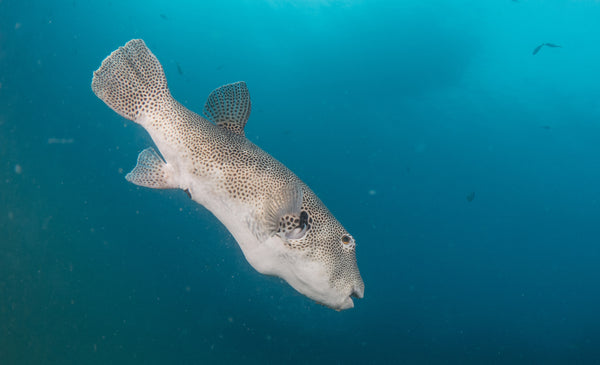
[{"x": 394, "y": 112}]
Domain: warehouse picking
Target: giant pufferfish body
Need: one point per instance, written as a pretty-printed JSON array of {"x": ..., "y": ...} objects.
[{"x": 281, "y": 226}]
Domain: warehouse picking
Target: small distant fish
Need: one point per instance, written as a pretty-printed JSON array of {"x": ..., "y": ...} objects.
[
  {"x": 547, "y": 127},
  {"x": 164, "y": 17},
  {"x": 179, "y": 68},
  {"x": 551, "y": 45},
  {"x": 471, "y": 196},
  {"x": 220, "y": 67}
]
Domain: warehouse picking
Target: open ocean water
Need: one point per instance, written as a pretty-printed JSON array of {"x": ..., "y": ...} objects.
[{"x": 467, "y": 168}]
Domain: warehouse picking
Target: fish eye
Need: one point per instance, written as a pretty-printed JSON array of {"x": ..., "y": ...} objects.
[{"x": 348, "y": 241}]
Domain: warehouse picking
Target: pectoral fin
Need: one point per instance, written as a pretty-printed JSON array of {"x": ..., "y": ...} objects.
[{"x": 285, "y": 202}]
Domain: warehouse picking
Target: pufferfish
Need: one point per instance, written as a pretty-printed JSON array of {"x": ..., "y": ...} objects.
[{"x": 281, "y": 226}]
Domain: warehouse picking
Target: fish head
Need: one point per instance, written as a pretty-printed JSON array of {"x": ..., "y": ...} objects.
[
  {"x": 335, "y": 278},
  {"x": 316, "y": 255}
]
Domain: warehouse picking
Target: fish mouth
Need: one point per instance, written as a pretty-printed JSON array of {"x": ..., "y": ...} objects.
[
  {"x": 348, "y": 303},
  {"x": 358, "y": 293}
]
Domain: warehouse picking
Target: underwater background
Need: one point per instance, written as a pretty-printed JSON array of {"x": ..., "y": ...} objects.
[{"x": 467, "y": 168}]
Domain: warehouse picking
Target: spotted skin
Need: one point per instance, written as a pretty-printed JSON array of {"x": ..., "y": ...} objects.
[{"x": 281, "y": 226}]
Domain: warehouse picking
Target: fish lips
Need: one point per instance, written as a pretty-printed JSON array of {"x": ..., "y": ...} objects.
[{"x": 347, "y": 303}]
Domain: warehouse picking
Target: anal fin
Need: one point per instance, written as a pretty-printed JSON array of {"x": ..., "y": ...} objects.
[{"x": 151, "y": 171}]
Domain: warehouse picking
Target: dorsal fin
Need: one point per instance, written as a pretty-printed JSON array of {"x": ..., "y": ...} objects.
[{"x": 229, "y": 107}]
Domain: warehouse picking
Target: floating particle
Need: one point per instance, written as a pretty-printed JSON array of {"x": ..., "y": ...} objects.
[
  {"x": 18, "y": 169},
  {"x": 60, "y": 140},
  {"x": 372, "y": 192},
  {"x": 46, "y": 222}
]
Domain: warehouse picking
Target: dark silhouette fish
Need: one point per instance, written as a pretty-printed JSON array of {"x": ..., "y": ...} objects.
[
  {"x": 163, "y": 16},
  {"x": 471, "y": 196},
  {"x": 179, "y": 68},
  {"x": 551, "y": 45}
]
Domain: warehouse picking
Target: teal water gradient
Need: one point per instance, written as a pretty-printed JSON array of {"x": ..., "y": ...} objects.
[{"x": 394, "y": 112}]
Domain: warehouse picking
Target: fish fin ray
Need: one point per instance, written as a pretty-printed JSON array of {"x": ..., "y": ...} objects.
[{"x": 229, "y": 107}]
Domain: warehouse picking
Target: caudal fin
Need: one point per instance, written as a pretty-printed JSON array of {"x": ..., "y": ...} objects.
[{"x": 131, "y": 81}]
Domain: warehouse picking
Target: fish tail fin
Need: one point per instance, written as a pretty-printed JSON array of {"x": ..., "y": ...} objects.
[{"x": 131, "y": 81}]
